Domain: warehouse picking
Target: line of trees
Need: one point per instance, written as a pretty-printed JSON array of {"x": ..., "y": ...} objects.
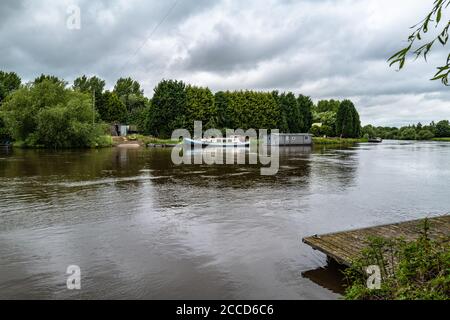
[
  {"x": 335, "y": 118},
  {"x": 440, "y": 129},
  {"x": 47, "y": 112},
  {"x": 177, "y": 105}
]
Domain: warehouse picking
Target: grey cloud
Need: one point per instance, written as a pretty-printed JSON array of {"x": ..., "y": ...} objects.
[
  {"x": 228, "y": 50},
  {"x": 323, "y": 49}
]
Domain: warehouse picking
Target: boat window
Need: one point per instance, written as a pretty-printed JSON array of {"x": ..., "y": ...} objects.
[{"x": 230, "y": 140}]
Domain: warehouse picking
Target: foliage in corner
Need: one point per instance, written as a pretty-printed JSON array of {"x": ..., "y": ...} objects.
[
  {"x": 410, "y": 270},
  {"x": 420, "y": 30}
]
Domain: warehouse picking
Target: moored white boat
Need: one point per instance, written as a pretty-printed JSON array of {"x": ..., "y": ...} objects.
[
  {"x": 233, "y": 141},
  {"x": 375, "y": 140}
]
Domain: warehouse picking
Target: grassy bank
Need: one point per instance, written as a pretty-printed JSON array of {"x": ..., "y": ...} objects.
[
  {"x": 102, "y": 141},
  {"x": 420, "y": 269},
  {"x": 441, "y": 139},
  {"x": 151, "y": 140},
  {"x": 317, "y": 140},
  {"x": 337, "y": 141}
]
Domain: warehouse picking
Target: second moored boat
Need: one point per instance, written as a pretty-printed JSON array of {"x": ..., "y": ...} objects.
[{"x": 232, "y": 141}]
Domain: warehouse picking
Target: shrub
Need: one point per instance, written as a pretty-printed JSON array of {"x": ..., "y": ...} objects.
[
  {"x": 46, "y": 114},
  {"x": 410, "y": 270},
  {"x": 425, "y": 134}
]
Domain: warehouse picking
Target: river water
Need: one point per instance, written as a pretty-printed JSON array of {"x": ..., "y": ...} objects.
[{"x": 140, "y": 227}]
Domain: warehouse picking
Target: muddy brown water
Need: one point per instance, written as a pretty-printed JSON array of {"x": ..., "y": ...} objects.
[{"x": 140, "y": 227}]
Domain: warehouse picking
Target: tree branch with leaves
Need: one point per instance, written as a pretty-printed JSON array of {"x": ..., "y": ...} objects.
[{"x": 422, "y": 49}]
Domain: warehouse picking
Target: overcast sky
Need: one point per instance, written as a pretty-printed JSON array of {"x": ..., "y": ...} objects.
[{"x": 324, "y": 49}]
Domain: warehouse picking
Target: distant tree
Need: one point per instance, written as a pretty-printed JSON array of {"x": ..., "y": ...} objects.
[
  {"x": 305, "y": 106},
  {"x": 9, "y": 82},
  {"x": 112, "y": 109},
  {"x": 127, "y": 86},
  {"x": 315, "y": 130},
  {"x": 369, "y": 131},
  {"x": 4, "y": 132},
  {"x": 408, "y": 134},
  {"x": 221, "y": 100},
  {"x": 423, "y": 49},
  {"x": 425, "y": 134},
  {"x": 356, "y": 123},
  {"x": 442, "y": 129},
  {"x": 327, "y": 120},
  {"x": 131, "y": 94},
  {"x": 419, "y": 127},
  {"x": 348, "y": 124},
  {"x": 89, "y": 85},
  {"x": 250, "y": 109},
  {"x": 290, "y": 111},
  {"x": 46, "y": 114},
  {"x": 50, "y": 78},
  {"x": 328, "y": 105},
  {"x": 282, "y": 123},
  {"x": 200, "y": 106},
  {"x": 139, "y": 116},
  {"x": 168, "y": 108},
  {"x": 21, "y": 108}
]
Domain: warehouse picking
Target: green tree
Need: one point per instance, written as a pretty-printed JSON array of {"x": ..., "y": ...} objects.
[
  {"x": 283, "y": 125},
  {"x": 66, "y": 126},
  {"x": 328, "y": 105},
  {"x": 21, "y": 107},
  {"x": 419, "y": 44},
  {"x": 50, "y": 78},
  {"x": 90, "y": 86},
  {"x": 4, "y": 132},
  {"x": 442, "y": 129},
  {"x": 46, "y": 114},
  {"x": 369, "y": 131},
  {"x": 408, "y": 134},
  {"x": 112, "y": 109},
  {"x": 356, "y": 123},
  {"x": 290, "y": 111},
  {"x": 348, "y": 124},
  {"x": 327, "y": 120},
  {"x": 305, "y": 106},
  {"x": 200, "y": 106},
  {"x": 131, "y": 94},
  {"x": 249, "y": 109},
  {"x": 221, "y": 101},
  {"x": 9, "y": 82},
  {"x": 425, "y": 134},
  {"x": 168, "y": 108},
  {"x": 127, "y": 86},
  {"x": 409, "y": 269}
]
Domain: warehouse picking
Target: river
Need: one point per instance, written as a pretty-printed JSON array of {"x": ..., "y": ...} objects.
[{"x": 141, "y": 227}]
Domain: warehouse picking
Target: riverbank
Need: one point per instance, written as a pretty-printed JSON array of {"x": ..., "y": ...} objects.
[
  {"x": 442, "y": 139},
  {"x": 337, "y": 141},
  {"x": 146, "y": 140},
  {"x": 102, "y": 141}
]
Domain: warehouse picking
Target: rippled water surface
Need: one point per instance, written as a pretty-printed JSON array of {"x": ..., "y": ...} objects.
[{"x": 141, "y": 227}]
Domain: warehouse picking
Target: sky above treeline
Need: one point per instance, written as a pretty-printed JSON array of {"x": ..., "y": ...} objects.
[{"x": 324, "y": 49}]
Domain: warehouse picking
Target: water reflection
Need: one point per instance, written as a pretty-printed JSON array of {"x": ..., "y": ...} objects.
[
  {"x": 330, "y": 276},
  {"x": 141, "y": 227}
]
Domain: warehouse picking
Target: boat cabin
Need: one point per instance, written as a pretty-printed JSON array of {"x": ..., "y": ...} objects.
[{"x": 291, "y": 139}]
